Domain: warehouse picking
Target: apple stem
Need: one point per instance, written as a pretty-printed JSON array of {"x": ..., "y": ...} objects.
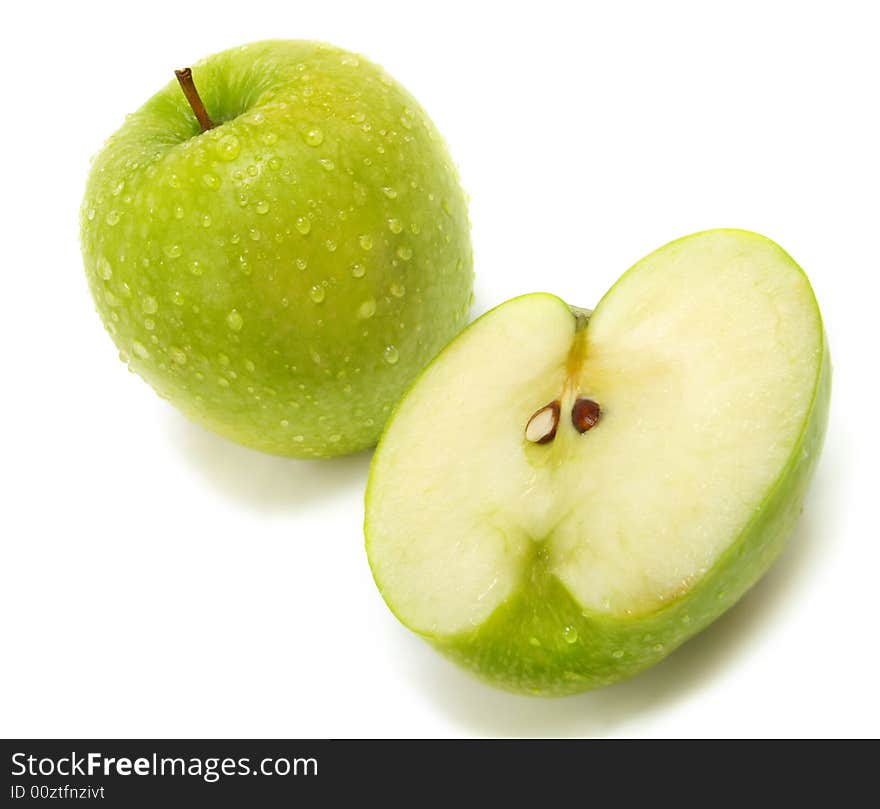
[
  {"x": 195, "y": 100},
  {"x": 581, "y": 316}
]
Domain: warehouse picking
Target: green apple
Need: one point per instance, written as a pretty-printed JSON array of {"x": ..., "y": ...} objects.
[
  {"x": 563, "y": 498},
  {"x": 282, "y": 276}
]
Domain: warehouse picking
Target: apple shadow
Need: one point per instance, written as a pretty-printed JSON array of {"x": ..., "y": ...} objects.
[
  {"x": 485, "y": 711},
  {"x": 265, "y": 482}
]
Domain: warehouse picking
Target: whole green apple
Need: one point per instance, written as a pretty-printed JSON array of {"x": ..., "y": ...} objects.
[
  {"x": 563, "y": 498},
  {"x": 282, "y": 253}
]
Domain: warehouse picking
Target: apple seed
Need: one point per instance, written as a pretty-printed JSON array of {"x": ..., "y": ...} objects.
[
  {"x": 541, "y": 428},
  {"x": 585, "y": 414}
]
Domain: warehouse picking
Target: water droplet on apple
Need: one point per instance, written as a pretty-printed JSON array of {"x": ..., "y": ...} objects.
[
  {"x": 398, "y": 290},
  {"x": 206, "y": 221},
  {"x": 104, "y": 269},
  {"x": 270, "y": 138},
  {"x": 358, "y": 270},
  {"x": 394, "y": 225},
  {"x": 330, "y": 245},
  {"x": 391, "y": 355},
  {"x": 222, "y": 381},
  {"x": 404, "y": 252},
  {"x": 617, "y": 654},
  {"x": 284, "y": 423},
  {"x": 302, "y": 263},
  {"x": 415, "y": 229},
  {"x": 299, "y": 438},
  {"x": 112, "y": 218},
  {"x": 196, "y": 267},
  {"x": 178, "y": 212},
  {"x": 228, "y": 147},
  {"x": 570, "y": 634},
  {"x": 252, "y": 170},
  {"x": 366, "y": 241},
  {"x": 177, "y": 355},
  {"x": 211, "y": 181},
  {"x": 125, "y": 357},
  {"x": 177, "y": 298},
  {"x": 367, "y": 309},
  {"x": 389, "y": 192},
  {"x": 327, "y": 165},
  {"x": 172, "y": 250},
  {"x": 150, "y": 305},
  {"x": 262, "y": 207},
  {"x": 317, "y": 293},
  {"x": 254, "y": 234},
  {"x": 140, "y": 350},
  {"x": 303, "y": 225},
  {"x": 657, "y": 647},
  {"x": 534, "y": 642},
  {"x": 234, "y": 320},
  {"x": 314, "y": 137}
]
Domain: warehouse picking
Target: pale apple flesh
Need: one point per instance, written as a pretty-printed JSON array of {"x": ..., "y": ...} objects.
[{"x": 560, "y": 566}]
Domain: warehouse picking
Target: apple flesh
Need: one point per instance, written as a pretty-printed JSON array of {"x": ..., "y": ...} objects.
[
  {"x": 282, "y": 277},
  {"x": 691, "y": 407}
]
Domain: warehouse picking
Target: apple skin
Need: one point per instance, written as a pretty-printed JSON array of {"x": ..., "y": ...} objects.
[
  {"x": 542, "y": 643},
  {"x": 282, "y": 277}
]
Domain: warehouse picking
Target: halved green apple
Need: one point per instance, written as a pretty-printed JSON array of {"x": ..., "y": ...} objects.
[{"x": 563, "y": 498}]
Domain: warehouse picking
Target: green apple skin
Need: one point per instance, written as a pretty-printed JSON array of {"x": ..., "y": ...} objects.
[
  {"x": 521, "y": 647},
  {"x": 282, "y": 277}
]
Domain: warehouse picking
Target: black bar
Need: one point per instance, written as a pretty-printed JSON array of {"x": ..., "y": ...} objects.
[{"x": 258, "y": 773}]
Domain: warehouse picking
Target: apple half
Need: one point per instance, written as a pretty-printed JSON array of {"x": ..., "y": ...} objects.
[{"x": 562, "y": 498}]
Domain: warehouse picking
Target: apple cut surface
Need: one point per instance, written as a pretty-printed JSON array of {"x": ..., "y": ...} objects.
[{"x": 561, "y": 565}]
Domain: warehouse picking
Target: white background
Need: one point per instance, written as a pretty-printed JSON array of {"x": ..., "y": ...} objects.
[{"x": 159, "y": 581}]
